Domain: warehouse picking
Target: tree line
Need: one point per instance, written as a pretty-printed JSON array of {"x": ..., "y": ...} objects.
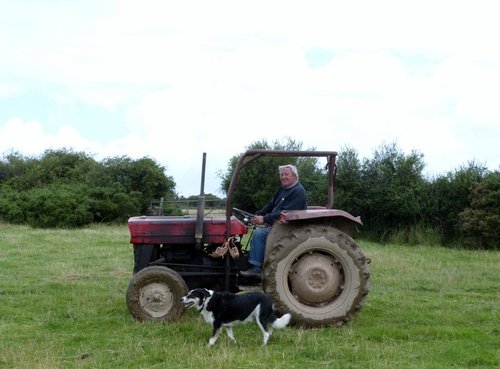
[
  {"x": 63, "y": 188},
  {"x": 396, "y": 201}
]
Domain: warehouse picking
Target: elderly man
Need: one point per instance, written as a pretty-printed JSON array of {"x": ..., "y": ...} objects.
[{"x": 289, "y": 196}]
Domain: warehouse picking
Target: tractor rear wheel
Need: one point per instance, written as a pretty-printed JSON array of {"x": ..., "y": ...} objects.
[
  {"x": 318, "y": 274},
  {"x": 154, "y": 294}
]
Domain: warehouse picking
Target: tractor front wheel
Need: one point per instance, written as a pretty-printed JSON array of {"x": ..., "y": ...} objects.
[{"x": 154, "y": 294}]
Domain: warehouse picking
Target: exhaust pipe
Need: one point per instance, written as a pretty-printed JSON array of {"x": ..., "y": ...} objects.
[{"x": 200, "y": 208}]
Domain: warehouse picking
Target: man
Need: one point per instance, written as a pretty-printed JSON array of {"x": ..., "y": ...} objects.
[{"x": 290, "y": 196}]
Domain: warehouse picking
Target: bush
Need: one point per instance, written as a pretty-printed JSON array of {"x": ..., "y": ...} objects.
[
  {"x": 418, "y": 234},
  {"x": 450, "y": 194},
  {"x": 11, "y": 207},
  {"x": 392, "y": 189},
  {"x": 63, "y": 188},
  {"x": 480, "y": 223},
  {"x": 58, "y": 206}
]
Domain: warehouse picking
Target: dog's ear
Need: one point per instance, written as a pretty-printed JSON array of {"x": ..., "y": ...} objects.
[{"x": 206, "y": 293}]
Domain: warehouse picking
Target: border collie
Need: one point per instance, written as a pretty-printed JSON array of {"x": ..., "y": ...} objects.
[{"x": 222, "y": 309}]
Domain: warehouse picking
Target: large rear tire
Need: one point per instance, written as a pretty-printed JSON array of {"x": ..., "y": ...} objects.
[
  {"x": 154, "y": 294},
  {"x": 318, "y": 274}
]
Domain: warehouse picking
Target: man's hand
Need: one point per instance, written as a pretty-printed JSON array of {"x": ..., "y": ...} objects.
[{"x": 259, "y": 219}]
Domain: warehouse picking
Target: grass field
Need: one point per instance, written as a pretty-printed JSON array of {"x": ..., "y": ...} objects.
[{"x": 62, "y": 306}]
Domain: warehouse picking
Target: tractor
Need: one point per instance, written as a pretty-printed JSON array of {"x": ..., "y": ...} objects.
[{"x": 313, "y": 268}]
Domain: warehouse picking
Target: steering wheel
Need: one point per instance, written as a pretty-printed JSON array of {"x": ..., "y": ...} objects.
[{"x": 244, "y": 216}]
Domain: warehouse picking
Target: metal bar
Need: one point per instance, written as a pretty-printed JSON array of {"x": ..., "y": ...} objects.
[
  {"x": 200, "y": 212},
  {"x": 251, "y": 155}
]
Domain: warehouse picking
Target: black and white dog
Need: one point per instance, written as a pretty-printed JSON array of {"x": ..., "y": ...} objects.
[{"x": 222, "y": 309}]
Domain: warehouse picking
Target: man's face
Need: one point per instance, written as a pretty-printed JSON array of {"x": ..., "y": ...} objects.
[{"x": 287, "y": 177}]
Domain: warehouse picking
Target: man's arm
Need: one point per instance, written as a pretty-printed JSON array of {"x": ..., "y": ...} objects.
[{"x": 296, "y": 199}]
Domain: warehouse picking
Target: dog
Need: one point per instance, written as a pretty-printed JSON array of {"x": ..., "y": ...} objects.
[{"x": 223, "y": 309}]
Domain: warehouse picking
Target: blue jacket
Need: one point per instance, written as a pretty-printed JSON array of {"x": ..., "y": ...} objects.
[{"x": 291, "y": 198}]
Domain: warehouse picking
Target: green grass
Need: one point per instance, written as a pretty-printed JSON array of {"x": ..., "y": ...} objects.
[{"x": 62, "y": 305}]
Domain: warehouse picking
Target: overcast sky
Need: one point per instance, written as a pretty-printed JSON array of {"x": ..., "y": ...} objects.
[{"x": 173, "y": 79}]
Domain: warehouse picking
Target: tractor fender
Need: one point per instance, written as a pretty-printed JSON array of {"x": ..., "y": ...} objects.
[
  {"x": 335, "y": 218},
  {"x": 314, "y": 212}
]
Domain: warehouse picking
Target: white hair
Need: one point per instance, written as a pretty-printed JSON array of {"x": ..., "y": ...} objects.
[{"x": 292, "y": 167}]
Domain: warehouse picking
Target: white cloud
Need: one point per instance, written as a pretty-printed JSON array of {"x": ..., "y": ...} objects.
[
  {"x": 213, "y": 77},
  {"x": 29, "y": 138},
  {"x": 474, "y": 84}
]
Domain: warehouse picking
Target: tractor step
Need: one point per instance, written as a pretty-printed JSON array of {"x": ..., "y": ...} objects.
[{"x": 252, "y": 288}]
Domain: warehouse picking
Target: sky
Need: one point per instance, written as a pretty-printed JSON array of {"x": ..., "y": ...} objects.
[{"x": 171, "y": 80}]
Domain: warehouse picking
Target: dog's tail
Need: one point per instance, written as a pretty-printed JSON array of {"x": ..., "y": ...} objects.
[{"x": 282, "y": 322}]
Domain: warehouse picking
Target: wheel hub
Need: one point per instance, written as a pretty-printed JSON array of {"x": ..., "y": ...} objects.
[
  {"x": 315, "y": 279},
  {"x": 156, "y": 299}
]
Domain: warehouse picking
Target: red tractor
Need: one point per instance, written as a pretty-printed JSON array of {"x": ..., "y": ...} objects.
[{"x": 313, "y": 268}]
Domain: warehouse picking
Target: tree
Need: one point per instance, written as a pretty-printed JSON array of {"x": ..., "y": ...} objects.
[
  {"x": 58, "y": 205},
  {"x": 259, "y": 180},
  {"x": 314, "y": 179},
  {"x": 143, "y": 178},
  {"x": 349, "y": 194},
  {"x": 392, "y": 189},
  {"x": 480, "y": 222},
  {"x": 448, "y": 195},
  {"x": 69, "y": 189},
  {"x": 18, "y": 172}
]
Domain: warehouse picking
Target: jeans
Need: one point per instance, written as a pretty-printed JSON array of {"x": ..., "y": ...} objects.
[{"x": 258, "y": 246}]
